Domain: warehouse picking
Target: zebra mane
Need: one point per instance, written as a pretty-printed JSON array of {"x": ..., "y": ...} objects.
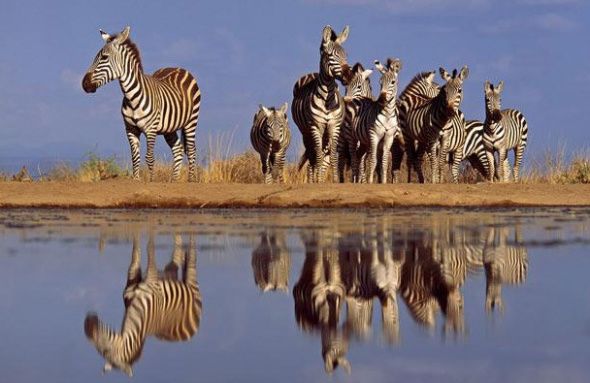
[
  {"x": 134, "y": 51},
  {"x": 416, "y": 80}
]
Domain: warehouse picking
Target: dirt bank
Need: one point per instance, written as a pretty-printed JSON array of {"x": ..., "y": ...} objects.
[{"x": 130, "y": 194}]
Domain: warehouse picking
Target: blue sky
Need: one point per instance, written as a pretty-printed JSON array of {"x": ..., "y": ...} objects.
[{"x": 248, "y": 52}]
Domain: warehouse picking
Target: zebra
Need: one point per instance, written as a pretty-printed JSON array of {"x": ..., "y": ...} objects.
[
  {"x": 474, "y": 149},
  {"x": 504, "y": 130},
  {"x": 158, "y": 305},
  {"x": 270, "y": 137},
  {"x": 374, "y": 123},
  {"x": 164, "y": 103},
  {"x": 318, "y": 108},
  {"x": 420, "y": 90},
  {"x": 271, "y": 263},
  {"x": 359, "y": 86},
  {"x": 438, "y": 127},
  {"x": 503, "y": 263}
]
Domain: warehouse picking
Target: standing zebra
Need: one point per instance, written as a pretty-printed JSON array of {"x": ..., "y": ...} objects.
[
  {"x": 163, "y": 103},
  {"x": 474, "y": 149},
  {"x": 504, "y": 130},
  {"x": 374, "y": 123},
  {"x": 318, "y": 108},
  {"x": 421, "y": 89},
  {"x": 359, "y": 86},
  {"x": 156, "y": 305},
  {"x": 270, "y": 137},
  {"x": 432, "y": 126}
]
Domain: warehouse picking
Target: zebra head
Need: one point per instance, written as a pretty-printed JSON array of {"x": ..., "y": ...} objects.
[
  {"x": 111, "y": 62},
  {"x": 493, "y": 100},
  {"x": 359, "y": 84},
  {"x": 333, "y": 57},
  {"x": 453, "y": 88},
  {"x": 276, "y": 123},
  {"x": 108, "y": 343},
  {"x": 388, "y": 79}
]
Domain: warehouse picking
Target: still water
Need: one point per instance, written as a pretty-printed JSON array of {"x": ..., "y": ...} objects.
[{"x": 295, "y": 295}]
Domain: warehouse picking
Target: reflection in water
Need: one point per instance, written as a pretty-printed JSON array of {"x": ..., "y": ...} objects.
[
  {"x": 271, "y": 262},
  {"x": 427, "y": 266},
  {"x": 159, "y": 304}
]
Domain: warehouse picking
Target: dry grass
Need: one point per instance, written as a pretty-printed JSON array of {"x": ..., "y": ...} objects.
[{"x": 221, "y": 165}]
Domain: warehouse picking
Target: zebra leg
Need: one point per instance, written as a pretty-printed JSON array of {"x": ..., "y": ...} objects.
[
  {"x": 518, "y": 154},
  {"x": 334, "y": 133},
  {"x": 491, "y": 164},
  {"x": 134, "y": 272},
  {"x": 152, "y": 272},
  {"x": 175, "y": 144},
  {"x": 266, "y": 172},
  {"x": 504, "y": 165},
  {"x": 386, "y": 153},
  {"x": 343, "y": 156},
  {"x": 177, "y": 261},
  {"x": 397, "y": 155},
  {"x": 433, "y": 157},
  {"x": 279, "y": 164},
  {"x": 372, "y": 153},
  {"x": 190, "y": 148},
  {"x": 149, "y": 155},
  {"x": 133, "y": 134},
  {"x": 457, "y": 158}
]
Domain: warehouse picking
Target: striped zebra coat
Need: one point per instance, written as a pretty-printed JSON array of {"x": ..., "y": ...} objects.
[
  {"x": 504, "y": 130},
  {"x": 431, "y": 125},
  {"x": 318, "y": 107},
  {"x": 164, "y": 103},
  {"x": 271, "y": 263},
  {"x": 474, "y": 149},
  {"x": 158, "y": 305},
  {"x": 359, "y": 86},
  {"x": 270, "y": 136},
  {"x": 374, "y": 124}
]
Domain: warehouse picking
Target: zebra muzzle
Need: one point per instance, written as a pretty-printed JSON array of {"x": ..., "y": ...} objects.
[{"x": 87, "y": 84}]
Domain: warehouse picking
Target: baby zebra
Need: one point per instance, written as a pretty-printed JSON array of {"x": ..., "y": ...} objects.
[
  {"x": 374, "y": 123},
  {"x": 504, "y": 130},
  {"x": 270, "y": 136}
]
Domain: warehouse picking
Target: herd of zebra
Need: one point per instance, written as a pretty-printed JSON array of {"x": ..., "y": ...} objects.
[
  {"x": 369, "y": 135},
  {"x": 364, "y": 132}
]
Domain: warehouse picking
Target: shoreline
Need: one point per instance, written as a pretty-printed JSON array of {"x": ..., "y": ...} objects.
[{"x": 134, "y": 194}]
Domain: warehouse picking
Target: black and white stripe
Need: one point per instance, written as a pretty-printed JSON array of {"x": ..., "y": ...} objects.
[
  {"x": 163, "y": 306},
  {"x": 271, "y": 263},
  {"x": 359, "y": 86},
  {"x": 374, "y": 124},
  {"x": 318, "y": 107},
  {"x": 504, "y": 130},
  {"x": 431, "y": 126},
  {"x": 270, "y": 136},
  {"x": 163, "y": 103},
  {"x": 474, "y": 149}
]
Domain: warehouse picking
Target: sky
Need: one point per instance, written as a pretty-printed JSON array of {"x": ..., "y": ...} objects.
[{"x": 244, "y": 53}]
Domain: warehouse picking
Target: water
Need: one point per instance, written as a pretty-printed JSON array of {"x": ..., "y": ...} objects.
[{"x": 303, "y": 295}]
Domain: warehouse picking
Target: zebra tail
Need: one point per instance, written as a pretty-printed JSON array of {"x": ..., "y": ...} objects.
[{"x": 302, "y": 162}]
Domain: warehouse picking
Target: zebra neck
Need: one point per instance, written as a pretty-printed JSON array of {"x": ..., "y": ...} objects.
[
  {"x": 327, "y": 88},
  {"x": 441, "y": 113},
  {"x": 133, "y": 84}
]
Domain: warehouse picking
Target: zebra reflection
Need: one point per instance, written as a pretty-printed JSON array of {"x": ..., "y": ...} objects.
[
  {"x": 271, "y": 263},
  {"x": 159, "y": 304},
  {"x": 504, "y": 264}
]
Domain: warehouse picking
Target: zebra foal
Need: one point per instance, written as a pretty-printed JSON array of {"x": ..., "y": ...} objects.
[
  {"x": 164, "y": 103},
  {"x": 270, "y": 137}
]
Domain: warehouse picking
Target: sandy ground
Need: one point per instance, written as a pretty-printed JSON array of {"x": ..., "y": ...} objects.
[{"x": 130, "y": 194}]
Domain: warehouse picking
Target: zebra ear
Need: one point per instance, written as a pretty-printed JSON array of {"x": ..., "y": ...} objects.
[
  {"x": 105, "y": 36},
  {"x": 283, "y": 108},
  {"x": 444, "y": 74},
  {"x": 365, "y": 74},
  {"x": 500, "y": 87},
  {"x": 464, "y": 73},
  {"x": 107, "y": 367},
  {"x": 380, "y": 67},
  {"x": 124, "y": 35},
  {"x": 328, "y": 34},
  {"x": 430, "y": 77},
  {"x": 343, "y": 36},
  {"x": 394, "y": 64},
  {"x": 265, "y": 110},
  {"x": 487, "y": 86}
]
